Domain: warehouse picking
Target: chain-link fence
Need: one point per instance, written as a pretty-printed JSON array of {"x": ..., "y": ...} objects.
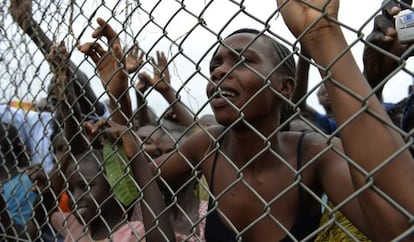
[{"x": 155, "y": 121}]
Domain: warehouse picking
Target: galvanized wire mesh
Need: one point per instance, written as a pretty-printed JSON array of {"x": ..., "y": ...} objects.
[{"x": 43, "y": 94}]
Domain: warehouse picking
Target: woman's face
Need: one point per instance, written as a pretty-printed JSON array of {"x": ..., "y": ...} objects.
[
  {"x": 88, "y": 190},
  {"x": 240, "y": 79}
]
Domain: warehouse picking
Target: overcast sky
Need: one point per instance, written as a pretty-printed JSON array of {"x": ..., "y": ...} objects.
[{"x": 170, "y": 17}]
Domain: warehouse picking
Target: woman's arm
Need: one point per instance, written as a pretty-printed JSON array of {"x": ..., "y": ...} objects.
[
  {"x": 109, "y": 65},
  {"x": 380, "y": 151},
  {"x": 67, "y": 107},
  {"x": 21, "y": 12}
]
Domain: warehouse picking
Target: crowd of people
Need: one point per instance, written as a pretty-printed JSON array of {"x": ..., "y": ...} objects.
[{"x": 265, "y": 166}]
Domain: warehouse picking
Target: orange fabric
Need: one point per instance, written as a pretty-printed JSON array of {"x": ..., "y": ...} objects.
[
  {"x": 25, "y": 105},
  {"x": 64, "y": 202}
]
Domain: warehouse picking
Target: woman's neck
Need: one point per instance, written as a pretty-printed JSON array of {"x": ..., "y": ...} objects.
[
  {"x": 242, "y": 147},
  {"x": 260, "y": 128}
]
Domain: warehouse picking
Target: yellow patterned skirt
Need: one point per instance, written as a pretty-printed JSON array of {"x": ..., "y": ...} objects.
[{"x": 340, "y": 229}]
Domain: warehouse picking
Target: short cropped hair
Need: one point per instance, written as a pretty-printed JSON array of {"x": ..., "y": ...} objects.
[{"x": 282, "y": 54}]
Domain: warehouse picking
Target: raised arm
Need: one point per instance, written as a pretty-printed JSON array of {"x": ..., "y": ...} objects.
[
  {"x": 364, "y": 133},
  {"x": 162, "y": 83},
  {"x": 21, "y": 12},
  {"x": 383, "y": 51},
  {"x": 109, "y": 65},
  {"x": 73, "y": 137},
  {"x": 67, "y": 106},
  {"x": 143, "y": 115}
]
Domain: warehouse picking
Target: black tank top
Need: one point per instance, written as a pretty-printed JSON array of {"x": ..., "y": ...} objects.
[{"x": 305, "y": 223}]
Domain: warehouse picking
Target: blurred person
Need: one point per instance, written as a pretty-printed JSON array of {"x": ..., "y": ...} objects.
[
  {"x": 186, "y": 209},
  {"x": 17, "y": 195},
  {"x": 35, "y": 129},
  {"x": 325, "y": 121},
  {"x": 95, "y": 213},
  {"x": 22, "y": 13}
]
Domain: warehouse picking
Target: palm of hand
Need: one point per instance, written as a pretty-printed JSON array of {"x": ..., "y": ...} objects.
[
  {"x": 161, "y": 80},
  {"x": 133, "y": 61},
  {"x": 112, "y": 75}
]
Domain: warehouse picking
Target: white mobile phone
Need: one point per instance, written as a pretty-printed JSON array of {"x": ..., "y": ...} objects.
[{"x": 404, "y": 24}]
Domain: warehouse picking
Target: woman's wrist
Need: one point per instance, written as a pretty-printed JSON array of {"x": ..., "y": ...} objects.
[{"x": 325, "y": 45}]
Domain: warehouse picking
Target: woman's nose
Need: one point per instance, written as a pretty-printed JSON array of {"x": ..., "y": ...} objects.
[{"x": 220, "y": 72}]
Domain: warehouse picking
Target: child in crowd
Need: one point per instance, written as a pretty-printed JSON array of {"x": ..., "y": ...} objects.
[
  {"x": 96, "y": 213},
  {"x": 16, "y": 186}
]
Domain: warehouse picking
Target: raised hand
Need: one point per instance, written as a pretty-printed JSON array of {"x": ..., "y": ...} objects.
[
  {"x": 161, "y": 80},
  {"x": 378, "y": 65},
  {"x": 161, "y": 73},
  {"x": 134, "y": 59},
  {"x": 21, "y": 12},
  {"x": 108, "y": 63},
  {"x": 301, "y": 14},
  {"x": 114, "y": 132},
  {"x": 111, "y": 70},
  {"x": 58, "y": 59}
]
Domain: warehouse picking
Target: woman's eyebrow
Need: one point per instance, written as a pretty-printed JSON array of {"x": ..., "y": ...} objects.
[
  {"x": 234, "y": 52},
  {"x": 243, "y": 51}
]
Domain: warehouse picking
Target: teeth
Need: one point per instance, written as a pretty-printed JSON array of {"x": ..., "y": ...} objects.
[
  {"x": 81, "y": 210},
  {"x": 227, "y": 93}
]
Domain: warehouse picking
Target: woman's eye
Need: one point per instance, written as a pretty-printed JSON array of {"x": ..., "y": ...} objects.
[
  {"x": 246, "y": 59},
  {"x": 213, "y": 67}
]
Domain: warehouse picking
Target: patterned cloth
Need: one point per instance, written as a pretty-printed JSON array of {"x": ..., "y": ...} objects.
[{"x": 336, "y": 231}]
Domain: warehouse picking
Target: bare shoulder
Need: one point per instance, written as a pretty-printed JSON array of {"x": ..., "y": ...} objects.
[
  {"x": 325, "y": 153},
  {"x": 199, "y": 143},
  {"x": 314, "y": 147},
  {"x": 316, "y": 142}
]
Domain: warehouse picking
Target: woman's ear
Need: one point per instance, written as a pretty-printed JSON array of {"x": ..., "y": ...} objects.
[{"x": 286, "y": 86}]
